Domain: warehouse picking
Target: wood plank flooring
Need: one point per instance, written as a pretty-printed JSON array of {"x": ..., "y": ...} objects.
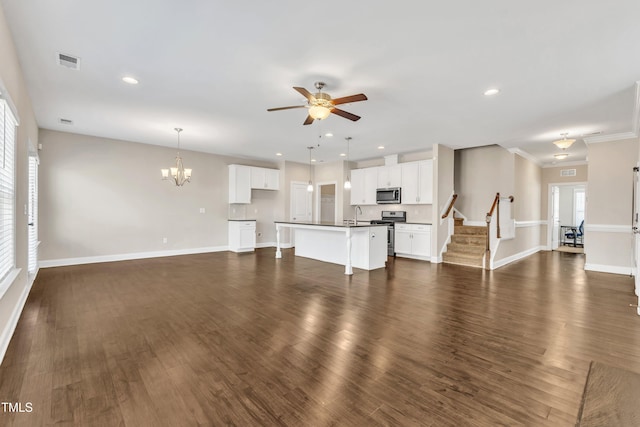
[{"x": 248, "y": 340}]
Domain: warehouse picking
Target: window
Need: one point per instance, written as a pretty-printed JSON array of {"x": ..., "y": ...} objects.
[
  {"x": 7, "y": 190},
  {"x": 33, "y": 214},
  {"x": 579, "y": 200}
]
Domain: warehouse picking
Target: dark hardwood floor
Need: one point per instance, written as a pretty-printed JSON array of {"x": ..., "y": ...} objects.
[{"x": 247, "y": 340}]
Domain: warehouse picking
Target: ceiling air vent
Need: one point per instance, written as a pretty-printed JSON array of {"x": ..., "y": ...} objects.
[
  {"x": 66, "y": 121},
  {"x": 69, "y": 61},
  {"x": 567, "y": 172}
]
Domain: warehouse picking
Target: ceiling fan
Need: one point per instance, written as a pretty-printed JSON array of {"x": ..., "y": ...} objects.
[{"x": 321, "y": 104}]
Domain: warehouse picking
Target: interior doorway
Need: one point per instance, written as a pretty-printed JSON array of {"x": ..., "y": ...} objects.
[
  {"x": 567, "y": 207},
  {"x": 326, "y": 203}
]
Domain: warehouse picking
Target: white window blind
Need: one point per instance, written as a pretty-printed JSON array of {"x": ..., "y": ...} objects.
[
  {"x": 33, "y": 214},
  {"x": 7, "y": 190}
]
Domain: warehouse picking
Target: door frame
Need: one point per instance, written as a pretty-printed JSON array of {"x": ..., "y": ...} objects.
[
  {"x": 318, "y": 198},
  {"x": 550, "y": 209}
]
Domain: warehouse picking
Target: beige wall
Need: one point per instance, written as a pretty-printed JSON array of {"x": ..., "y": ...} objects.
[
  {"x": 443, "y": 176},
  {"x": 102, "y": 197},
  {"x": 480, "y": 173},
  {"x": 525, "y": 210},
  {"x": 608, "y": 238},
  {"x": 13, "y": 87}
]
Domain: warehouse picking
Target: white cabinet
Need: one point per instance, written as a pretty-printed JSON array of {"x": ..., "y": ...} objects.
[
  {"x": 239, "y": 184},
  {"x": 265, "y": 179},
  {"x": 417, "y": 182},
  {"x": 242, "y": 236},
  {"x": 244, "y": 178},
  {"x": 413, "y": 240},
  {"x": 364, "y": 183},
  {"x": 390, "y": 176}
]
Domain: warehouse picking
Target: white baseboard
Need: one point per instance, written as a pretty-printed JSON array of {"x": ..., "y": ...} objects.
[
  {"x": 436, "y": 259},
  {"x": 516, "y": 257},
  {"x": 614, "y": 269},
  {"x": 273, "y": 245},
  {"x": 7, "y": 333},
  {"x": 418, "y": 257},
  {"x": 130, "y": 256}
]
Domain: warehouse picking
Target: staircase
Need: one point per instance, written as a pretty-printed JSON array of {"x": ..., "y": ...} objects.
[{"x": 467, "y": 245}]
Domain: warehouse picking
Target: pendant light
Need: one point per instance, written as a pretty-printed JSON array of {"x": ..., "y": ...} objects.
[
  {"x": 310, "y": 186},
  {"x": 564, "y": 143},
  {"x": 347, "y": 182},
  {"x": 179, "y": 174}
]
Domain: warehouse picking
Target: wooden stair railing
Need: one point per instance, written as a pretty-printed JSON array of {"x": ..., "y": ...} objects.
[
  {"x": 453, "y": 200},
  {"x": 494, "y": 205}
]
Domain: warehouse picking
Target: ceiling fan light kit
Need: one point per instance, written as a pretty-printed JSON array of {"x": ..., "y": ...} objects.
[{"x": 321, "y": 105}]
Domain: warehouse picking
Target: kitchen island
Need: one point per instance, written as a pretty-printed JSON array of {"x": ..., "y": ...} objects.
[{"x": 352, "y": 245}]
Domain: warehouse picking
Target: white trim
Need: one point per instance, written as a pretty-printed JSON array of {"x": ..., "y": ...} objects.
[
  {"x": 525, "y": 155},
  {"x": 516, "y": 257},
  {"x": 607, "y": 228},
  {"x": 130, "y": 256},
  {"x": 273, "y": 245},
  {"x": 635, "y": 119},
  {"x": 436, "y": 259},
  {"x": 565, "y": 164},
  {"x": 476, "y": 223},
  {"x": 610, "y": 138},
  {"x": 614, "y": 269},
  {"x": 7, "y": 333},
  {"x": 533, "y": 223},
  {"x": 6, "y": 283}
]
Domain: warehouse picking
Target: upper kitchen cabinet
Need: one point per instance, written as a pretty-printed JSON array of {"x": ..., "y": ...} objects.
[
  {"x": 239, "y": 184},
  {"x": 417, "y": 182},
  {"x": 265, "y": 179},
  {"x": 244, "y": 178},
  {"x": 364, "y": 183},
  {"x": 390, "y": 176}
]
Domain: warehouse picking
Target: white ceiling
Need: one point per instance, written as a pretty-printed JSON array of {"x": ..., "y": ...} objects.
[{"x": 214, "y": 67}]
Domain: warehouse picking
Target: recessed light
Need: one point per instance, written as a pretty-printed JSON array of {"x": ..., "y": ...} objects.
[
  {"x": 278, "y": 154},
  {"x": 313, "y": 160},
  {"x": 492, "y": 91},
  {"x": 130, "y": 80},
  {"x": 561, "y": 156},
  {"x": 328, "y": 134},
  {"x": 380, "y": 147},
  {"x": 343, "y": 154}
]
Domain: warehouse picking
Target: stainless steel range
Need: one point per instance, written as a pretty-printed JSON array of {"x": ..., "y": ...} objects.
[{"x": 389, "y": 218}]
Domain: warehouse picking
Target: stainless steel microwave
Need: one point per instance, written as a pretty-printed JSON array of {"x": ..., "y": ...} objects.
[{"x": 388, "y": 196}]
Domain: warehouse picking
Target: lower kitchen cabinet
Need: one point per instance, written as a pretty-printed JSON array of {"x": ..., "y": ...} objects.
[
  {"x": 242, "y": 235},
  {"x": 413, "y": 240}
]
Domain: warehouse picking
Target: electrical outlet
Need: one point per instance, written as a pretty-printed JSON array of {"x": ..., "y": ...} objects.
[
  {"x": 164, "y": 240},
  {"x": 201, "y": 210},
  {"x": 259, "y": 233}
]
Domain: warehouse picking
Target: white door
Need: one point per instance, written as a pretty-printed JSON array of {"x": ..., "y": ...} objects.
[
  {"x": 555, "y": 217},
  {"x": 300, "y": 202}
]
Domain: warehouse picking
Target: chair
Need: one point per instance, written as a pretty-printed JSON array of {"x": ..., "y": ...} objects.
[{"x": 576, "y": 235}]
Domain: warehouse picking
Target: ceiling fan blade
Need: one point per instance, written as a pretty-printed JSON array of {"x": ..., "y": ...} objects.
[
  {"x": 305, "y": 93},
  {"x": 286, "y": 108},
  {"x": 352, "y": 98},
  {"x": 345, "y": 114},
  {"x": 308, "y": 121}
]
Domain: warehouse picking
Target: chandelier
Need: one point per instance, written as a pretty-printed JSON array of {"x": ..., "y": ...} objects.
[
  {"x": 179, "y": 174},
  {"x": 564, "y": 143}
]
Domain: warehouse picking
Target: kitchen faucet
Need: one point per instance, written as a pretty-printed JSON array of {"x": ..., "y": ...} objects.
[{"x": 356, "y": 209}]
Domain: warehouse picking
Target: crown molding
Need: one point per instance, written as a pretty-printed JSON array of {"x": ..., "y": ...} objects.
[
  {"x": 565, "y": 164},
  {"x": 609, "y": 138},
  {"x": 526, "y": 155}
]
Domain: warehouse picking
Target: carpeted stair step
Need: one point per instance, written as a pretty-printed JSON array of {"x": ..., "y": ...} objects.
[
  {"x": 470, "y": 229},
  {"x": 458, "y": 222},
  {"x": 469, "y": 239},
  {"x": 471, "y": 260},
  {"x": 465, "y": 248}
]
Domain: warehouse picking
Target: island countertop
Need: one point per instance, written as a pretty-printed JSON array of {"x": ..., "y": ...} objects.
[{"x": 330, "y": 224}]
